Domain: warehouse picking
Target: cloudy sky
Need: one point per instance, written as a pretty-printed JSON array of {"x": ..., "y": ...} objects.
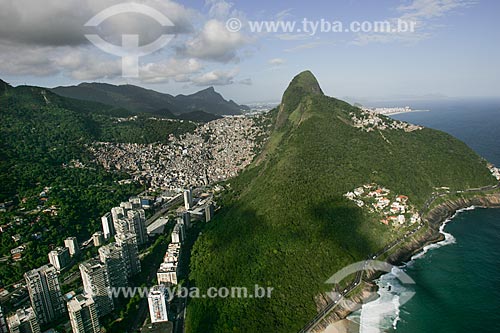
[{"x": 454, "y": 50}]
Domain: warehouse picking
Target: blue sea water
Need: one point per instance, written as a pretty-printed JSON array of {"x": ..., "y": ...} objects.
[{"x": 457, "y": 282}]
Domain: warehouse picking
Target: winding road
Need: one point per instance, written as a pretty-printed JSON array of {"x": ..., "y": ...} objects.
[{"x": 359, "y": 275}]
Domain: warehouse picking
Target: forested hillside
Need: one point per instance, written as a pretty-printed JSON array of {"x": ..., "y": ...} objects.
[{"x": 287, "y": 225}]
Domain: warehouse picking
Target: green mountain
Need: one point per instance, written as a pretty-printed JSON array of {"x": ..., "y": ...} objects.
[
  {"x": 39, "y": 131},
  {"x": 4, "y": 86},
  {"x": 140, "y": 100},
  {"x": 286, "y": 223},
  {"x": 198, "y": 116},
  {"x": 43, "y": 148}
]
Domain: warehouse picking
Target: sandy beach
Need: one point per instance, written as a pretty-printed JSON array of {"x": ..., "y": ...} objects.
[{"x": 342, "y": 326}]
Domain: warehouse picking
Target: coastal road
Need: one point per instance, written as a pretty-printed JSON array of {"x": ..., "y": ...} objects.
[
  {"x": 359, "y": 275},
  {"x": 357, "y": 280}
]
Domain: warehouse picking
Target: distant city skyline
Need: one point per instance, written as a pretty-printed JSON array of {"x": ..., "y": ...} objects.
[{"x": 452, "y": 51}]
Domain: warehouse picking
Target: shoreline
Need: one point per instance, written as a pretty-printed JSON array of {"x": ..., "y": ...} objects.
[
  {"x": 437, "y": 219},
  {"x": 403, "y": 112}
]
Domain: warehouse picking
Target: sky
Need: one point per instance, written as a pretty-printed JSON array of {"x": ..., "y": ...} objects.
[{"x": 454, "y": 49}]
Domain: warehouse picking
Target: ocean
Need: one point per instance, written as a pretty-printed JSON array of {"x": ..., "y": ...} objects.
[{"x": 457, "y": 281}]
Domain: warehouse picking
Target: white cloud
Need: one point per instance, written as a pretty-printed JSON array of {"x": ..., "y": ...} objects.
[
  {"x": 246, "y": 82},
  {"x": 215, "y": 43},
  {"x": 61, "y": 23},
  {"x": 284, "y": 14},
  {"x": 277, "y": 61},
  {"x": 84, "y": 65},
  {"x": 426, "y": 9},
  {"x": 48, "y": 39},
  {"x": 26, "y": 61},
  {"x": 178, "y": 69},
  {"x": 216, "y": 78},
  {"x": 418, "y": 12},
  {"x": 222, "y": 10},
  {"x": 308, "y": 46},
  {"x": 289, "y": 37}
]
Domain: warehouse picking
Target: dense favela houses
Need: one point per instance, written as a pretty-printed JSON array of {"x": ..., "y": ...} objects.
[{"x": 217, "y": 151}]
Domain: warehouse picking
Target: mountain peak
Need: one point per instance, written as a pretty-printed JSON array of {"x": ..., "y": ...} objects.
[
  {"x": 207, "y": 91},
  {"x": 303, "y": 85},
  {"x": 140, "y": 100},
  {"x": 4, "y": 86},
  {"x": 306, "y": 82}
]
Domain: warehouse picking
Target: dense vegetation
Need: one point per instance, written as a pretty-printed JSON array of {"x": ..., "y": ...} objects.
[
  {"x": 40, "y": 130},
  {"x": 286, "y": 224},
  {"x": 43, "y": 144}
]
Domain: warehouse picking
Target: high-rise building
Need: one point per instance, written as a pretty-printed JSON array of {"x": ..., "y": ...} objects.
[
  {"x": 167, "y": 273},
  {"x": 178, "y": 234},
  {"x": 98, "y": 238},
  {"x": 96, "y": 284},
  {"x": 136, "y": 202},
  {"x": 158, "y": 302},
  {"x": 128, "y": 243},
  {"x": 113, "y": 258},
  {"x": 182, "y": 228},
  {"x": 3, "y": 322},
  {"x": 173, "y": 254},
  {"x": 126, "y": 206},
  {"x": 108, "y": 229},
  {"x": 83, "y": 315},
  {"x": 137, "y": 225},
  {"x": 188, "y": 199},
  {"x": 59, "y": 257},
  {"x": 209, "y": 212},
  {"x": 186, "y": 218},
  {"x": 72, "y": 244},
  {"x": 45, "y": 293},
  {"x": 121, "y": 226},
  {"x": 23, "y": 321},
  {"x": 117, "y": 213}
]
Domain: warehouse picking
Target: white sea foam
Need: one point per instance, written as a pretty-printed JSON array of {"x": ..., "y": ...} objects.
[{"x": 383, "y": 313}]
